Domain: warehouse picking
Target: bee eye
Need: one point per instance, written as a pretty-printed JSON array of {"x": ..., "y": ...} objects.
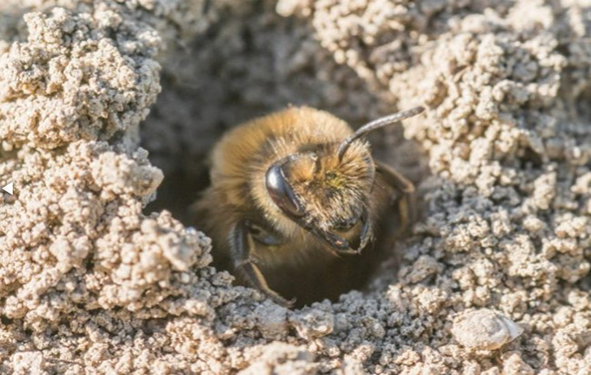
[{"x": 281, "y": 192}]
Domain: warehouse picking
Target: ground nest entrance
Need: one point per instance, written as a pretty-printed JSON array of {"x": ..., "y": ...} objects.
[{"x": 223, "y": 79}]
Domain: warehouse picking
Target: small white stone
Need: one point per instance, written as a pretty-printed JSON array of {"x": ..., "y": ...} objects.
[{"x": 484, "y": 329}]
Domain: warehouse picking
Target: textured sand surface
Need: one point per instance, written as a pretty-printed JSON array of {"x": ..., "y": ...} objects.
[{"x": 494, "y": 280}]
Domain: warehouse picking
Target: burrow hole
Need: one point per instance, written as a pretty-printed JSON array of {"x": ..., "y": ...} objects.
[{"x": 240, "y": 70}]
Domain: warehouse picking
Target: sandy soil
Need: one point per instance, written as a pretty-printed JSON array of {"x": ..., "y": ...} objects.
[{"x": 493, "y": 280}]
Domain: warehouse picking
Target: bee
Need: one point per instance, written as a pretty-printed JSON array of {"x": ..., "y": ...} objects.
[{"x": 295, "y": 197}]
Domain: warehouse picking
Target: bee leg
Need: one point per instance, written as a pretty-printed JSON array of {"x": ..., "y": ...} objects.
[
  {"x": 242, "y": 245},
  {"x": 406, "y": 189}
]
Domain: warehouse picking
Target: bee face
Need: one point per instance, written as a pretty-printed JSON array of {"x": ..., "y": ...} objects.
[{"x": 325, "y": 194}]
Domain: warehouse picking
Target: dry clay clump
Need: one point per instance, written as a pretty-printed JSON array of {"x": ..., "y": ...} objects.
[
  {"x": 74, "y": 244},
  {"x": 68, "y": 83},
  {"x": 89, "y": 283}
]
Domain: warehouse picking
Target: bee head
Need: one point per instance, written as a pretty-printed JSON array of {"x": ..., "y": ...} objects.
[
  {"x": 322, "y": 192},
  {"x": 326, "y": 188}
]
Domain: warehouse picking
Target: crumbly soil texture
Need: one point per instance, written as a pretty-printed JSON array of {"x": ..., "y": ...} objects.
[{"x": 105, "y": 104}]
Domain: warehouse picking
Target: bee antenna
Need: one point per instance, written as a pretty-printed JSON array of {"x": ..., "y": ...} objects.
[{"x": 376, "y": 124}]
